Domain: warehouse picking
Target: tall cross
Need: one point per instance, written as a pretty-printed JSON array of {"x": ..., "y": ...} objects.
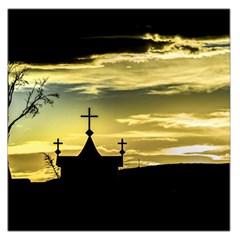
[
  {"x": 122, "y": 143},
  {"x": 89, "y": 116},
  {"x": 58, "y": 143}
]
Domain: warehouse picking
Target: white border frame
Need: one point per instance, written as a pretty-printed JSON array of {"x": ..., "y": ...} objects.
[{"x": 235, "y": 117}]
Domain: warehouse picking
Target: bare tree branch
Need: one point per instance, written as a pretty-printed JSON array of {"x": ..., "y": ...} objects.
[
  {"x": 36, "y": 97},
  {"x": 16, "y": 72}
]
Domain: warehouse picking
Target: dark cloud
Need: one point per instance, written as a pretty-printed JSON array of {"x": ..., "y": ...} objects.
[
  {"x": 212, "y": 45},
  {"x": 61, "y": 35},
  {"x": 188, "y": 48},
  {"x": 83, "y": 48}
]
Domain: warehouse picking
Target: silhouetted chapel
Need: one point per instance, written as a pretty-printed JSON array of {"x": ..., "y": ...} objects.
[{"x": 89, "y": 166}]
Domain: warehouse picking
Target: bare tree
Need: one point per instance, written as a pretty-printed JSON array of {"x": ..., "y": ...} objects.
[{"x": 35, "y": 96}]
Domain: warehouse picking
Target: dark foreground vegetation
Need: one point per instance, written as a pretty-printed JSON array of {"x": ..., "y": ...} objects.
[{"x": 187, "y": 197}]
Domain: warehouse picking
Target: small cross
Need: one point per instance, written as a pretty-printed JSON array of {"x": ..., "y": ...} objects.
[
  {"x": 122, "y": 143},
  {"x": 58, "y": 143},
  {"x": 89, "y": 116}
]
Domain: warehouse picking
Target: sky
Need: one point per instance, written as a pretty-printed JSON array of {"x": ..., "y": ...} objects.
[{"x": 159, "y": 79}]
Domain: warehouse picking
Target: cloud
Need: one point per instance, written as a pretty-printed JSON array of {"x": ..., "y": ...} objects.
[
  {"x": 192, "y": 149},
  {"x": 163, "y": 139},
  {"x": 104, "y": 151},
  {"x": 140, "y": 48},
  {"x": 191, "y": 45},
  {"x": 93, "y": 89},
  {"x": 168, "y": 47},
  {"x": 38, "y": 147},
  {"x": 138, "y": 135},
  {"x": 195, "y": 150},
  {"x": 182, "y": 154},
  {"x": 151, "y": 47},
  {"x": 64, "y": 43},
  {"x": 181, "y": 120},
  {"x": 143, "y": 48},
  {"x": 174, "y": 65},
  {"x": 198, "y": 150},
  {"x": 64, "y": 66}
]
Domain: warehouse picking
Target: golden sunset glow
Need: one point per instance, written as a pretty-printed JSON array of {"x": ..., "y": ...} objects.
[{"x": 170, "y": 103}]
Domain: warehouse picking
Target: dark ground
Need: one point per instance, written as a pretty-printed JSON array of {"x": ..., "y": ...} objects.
[{"x": 182, "y": 197}]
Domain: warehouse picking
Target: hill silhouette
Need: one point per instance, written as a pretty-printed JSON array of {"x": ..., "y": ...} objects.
[{"x": 185, "y": 197}]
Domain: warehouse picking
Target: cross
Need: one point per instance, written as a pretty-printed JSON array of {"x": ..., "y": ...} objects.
[
  {"x": 58, "y": 143},
  {"x": 122, "y": 143},
  {"x": 89, "y": 116}
]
